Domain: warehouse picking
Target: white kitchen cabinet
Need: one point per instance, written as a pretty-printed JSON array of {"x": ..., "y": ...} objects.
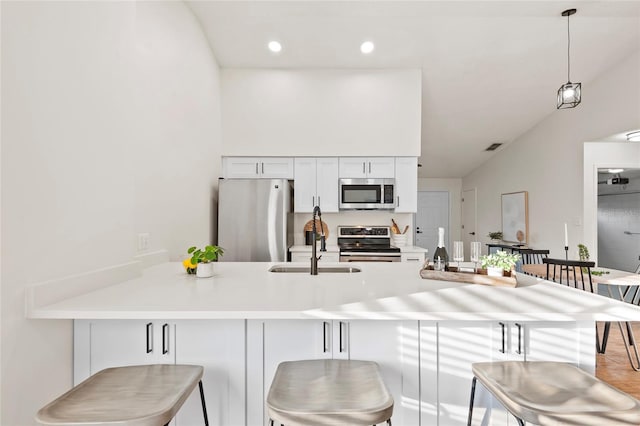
[
  {"x": 392, "y": 344},
  {"x": 257, "y": 167},
  {"x": 410, "y": 256},
  {"x": 316, "y": 183},
  {"x": 114, "y": 343},
  {"x": 367, "y": 167},
  {"x": 460, "y": 344},
  {"x": 406, "y": 186},
  {"x": 327, "y": 256},
  {"x": 217, "y": 345}
]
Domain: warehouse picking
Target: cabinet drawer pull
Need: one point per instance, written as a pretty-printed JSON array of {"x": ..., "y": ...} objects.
[
  {"x": 519, "y": 350},
  {"x": 149, "y": 337},
  {"x": 502, "y": 330},
  {"x": 165, "y": 339},
  {"x": 325, "y": 335}
]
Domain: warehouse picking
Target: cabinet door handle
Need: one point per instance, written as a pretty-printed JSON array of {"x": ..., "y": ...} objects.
[
  {"x": 319, "y": 205},
  {"x": 256, "y": 168},
  {"x": 325, "y": 345},
  {"x": 364, "y": 170},
  {"x": 149, "y": 337},
  {"x": 262, "y": 168},
  {"x": 398, "y": 201},
  {"x": 369, "y": 166},
  {"x": 519, "y": 350},
  {"x": 313, "y": 201},
  {"x": 342, "y": 336},
  {"x": 165, "y": 339},
  {"x": 502, "y": 330}
]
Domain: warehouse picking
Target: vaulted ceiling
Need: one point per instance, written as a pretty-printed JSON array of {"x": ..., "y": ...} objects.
[{"x": 490, "y": 69}]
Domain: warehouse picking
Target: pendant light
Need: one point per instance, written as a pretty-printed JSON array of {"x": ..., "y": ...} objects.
[{"x": 569, "y": 94}]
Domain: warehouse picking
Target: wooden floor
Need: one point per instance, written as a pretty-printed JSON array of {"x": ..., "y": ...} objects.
[{"x": 613, "y": 367}]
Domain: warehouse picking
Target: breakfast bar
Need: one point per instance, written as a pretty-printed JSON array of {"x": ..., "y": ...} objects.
[{"x": 247, "y": 318}]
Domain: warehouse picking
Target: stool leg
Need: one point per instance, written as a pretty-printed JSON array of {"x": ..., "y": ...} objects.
[
  {"x": 204, "y": 406},
  {"x": 473, "y": 392}
]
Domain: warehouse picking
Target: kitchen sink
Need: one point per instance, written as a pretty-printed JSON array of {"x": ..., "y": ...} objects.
[{"x": 307, "y": 269}]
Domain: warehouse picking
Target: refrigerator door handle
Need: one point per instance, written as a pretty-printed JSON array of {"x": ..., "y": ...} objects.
[{"x": 275, "y": 227}]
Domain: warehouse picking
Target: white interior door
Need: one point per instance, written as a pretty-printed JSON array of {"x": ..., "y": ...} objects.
[
  {"x": 469, "y": 219},
  {"x": 433, "y": 212}
]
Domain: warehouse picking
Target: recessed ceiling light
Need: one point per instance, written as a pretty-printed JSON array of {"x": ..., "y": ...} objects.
[
  {"x": 274, "y": 46},
  {"x": 615, "y": 170},
  {"x": 633, "y": 136},
  {"x": 367, "y": 47}
]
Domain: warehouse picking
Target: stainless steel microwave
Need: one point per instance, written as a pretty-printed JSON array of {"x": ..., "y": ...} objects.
[{"x": 367, "y": 194}]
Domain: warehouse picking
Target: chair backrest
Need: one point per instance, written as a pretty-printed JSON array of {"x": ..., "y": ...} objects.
[
  {"x": 530, "y": 256},
  {"x": 573, "y": 273}
]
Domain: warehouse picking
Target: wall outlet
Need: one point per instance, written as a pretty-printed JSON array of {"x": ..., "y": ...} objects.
[{"x": 143, "y": 241}]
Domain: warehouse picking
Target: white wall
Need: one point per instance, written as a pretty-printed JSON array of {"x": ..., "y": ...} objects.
[
  {"x": 547, "y": 161},
  {"x": 111, "y": 127},
  {"x": 321, "y": 112}
]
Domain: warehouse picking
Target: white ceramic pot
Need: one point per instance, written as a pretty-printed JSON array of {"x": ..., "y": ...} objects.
[
  {"x": 204, "y": 270},
  {"x": 399, "y": 240},
  {"x": 492, "y": 271}
]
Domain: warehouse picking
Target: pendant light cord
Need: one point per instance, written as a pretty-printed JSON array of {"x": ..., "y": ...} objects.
[{"x": 568, "y": 50}]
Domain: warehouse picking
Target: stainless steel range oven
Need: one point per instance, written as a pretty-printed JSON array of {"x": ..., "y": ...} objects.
[{"x": 366, "y": 244}]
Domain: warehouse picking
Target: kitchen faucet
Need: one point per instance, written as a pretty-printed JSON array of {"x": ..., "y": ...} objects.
[{"x": 314, "y": 233}]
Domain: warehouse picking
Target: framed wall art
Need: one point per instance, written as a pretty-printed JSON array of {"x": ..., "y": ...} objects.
[{"x": 515, "y": 217}]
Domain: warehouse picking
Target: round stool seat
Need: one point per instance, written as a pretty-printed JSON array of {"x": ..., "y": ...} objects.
[{"x": 329, "y": 392}]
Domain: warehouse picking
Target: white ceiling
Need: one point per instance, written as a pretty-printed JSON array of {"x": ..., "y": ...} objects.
[{"x": 490, "y": 69}]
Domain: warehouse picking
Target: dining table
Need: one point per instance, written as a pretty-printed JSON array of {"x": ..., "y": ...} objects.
[{"x": 621, "y": 285}]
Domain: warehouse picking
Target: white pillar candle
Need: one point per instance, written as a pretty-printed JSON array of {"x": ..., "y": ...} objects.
[{"x": 566, "y": 236}]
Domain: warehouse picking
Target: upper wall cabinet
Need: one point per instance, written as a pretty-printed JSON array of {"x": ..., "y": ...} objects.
[
  {"x": 367, "y": 167},
  {"x": 406, "y": 185},
  {"x": 257, "y": 167},
  {"x": 315, "y": 184}
]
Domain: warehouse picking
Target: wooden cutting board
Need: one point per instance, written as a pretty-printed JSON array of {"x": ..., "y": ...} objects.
[
  {"x": 469, "y": 277},
  {"x": 309, "y": 227}
]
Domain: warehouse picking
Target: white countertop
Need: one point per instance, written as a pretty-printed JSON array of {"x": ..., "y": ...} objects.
[{"x": 380, "y": 291}]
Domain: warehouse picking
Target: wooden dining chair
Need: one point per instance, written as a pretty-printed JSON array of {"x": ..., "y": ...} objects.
[
  {"x": 531, "y": 256},
  {"x": 572, "y": 273}
]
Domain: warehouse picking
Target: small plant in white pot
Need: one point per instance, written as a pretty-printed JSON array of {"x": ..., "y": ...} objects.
[
  {"x": 204, "y": 258},
  {"x": 497, "y": 263}
]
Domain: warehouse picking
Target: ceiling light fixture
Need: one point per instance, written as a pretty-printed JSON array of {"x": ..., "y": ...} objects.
[
  {"x": 633, "y": 136},
  {"x": 367, "y": 47},
  {"x": 274, "y": 46},
  {"x": 569, "y": 94}
]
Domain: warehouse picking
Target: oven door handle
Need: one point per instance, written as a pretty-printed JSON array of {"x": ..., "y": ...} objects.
[{"x": 369, "y": 258}]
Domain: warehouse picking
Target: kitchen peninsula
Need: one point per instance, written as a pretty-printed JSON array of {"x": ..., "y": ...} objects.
[{"x": 243, "y": 321}]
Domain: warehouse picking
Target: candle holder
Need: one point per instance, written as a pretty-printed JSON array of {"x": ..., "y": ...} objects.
[{"x": 566, "y": 257}]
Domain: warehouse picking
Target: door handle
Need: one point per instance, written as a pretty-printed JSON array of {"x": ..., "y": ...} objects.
[
  {"x": 418, "y": 231},
  {"x": 165, "y": 339},
  {"x": 342, "y": 335},
  {"x": 472, "y": 233},
  {"x": 149, "y": 337},
  {"x": 325, "y": 345}
]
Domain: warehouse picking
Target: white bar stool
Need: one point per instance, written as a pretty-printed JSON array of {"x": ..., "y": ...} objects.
[
  {"x": 554, "y": 393},
  {"x": 140, "y": 395},
  {"x": 329, "y": 392}
]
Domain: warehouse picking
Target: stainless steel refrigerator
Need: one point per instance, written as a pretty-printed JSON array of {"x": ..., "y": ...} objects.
[{"x": 254, "y": 219}]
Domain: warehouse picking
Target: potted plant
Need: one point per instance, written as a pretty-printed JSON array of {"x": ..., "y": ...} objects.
[
  {"x": 495, "y": 236},
  {"x": 499, "y": 262},
  {"x": 203, "y": 259}
]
